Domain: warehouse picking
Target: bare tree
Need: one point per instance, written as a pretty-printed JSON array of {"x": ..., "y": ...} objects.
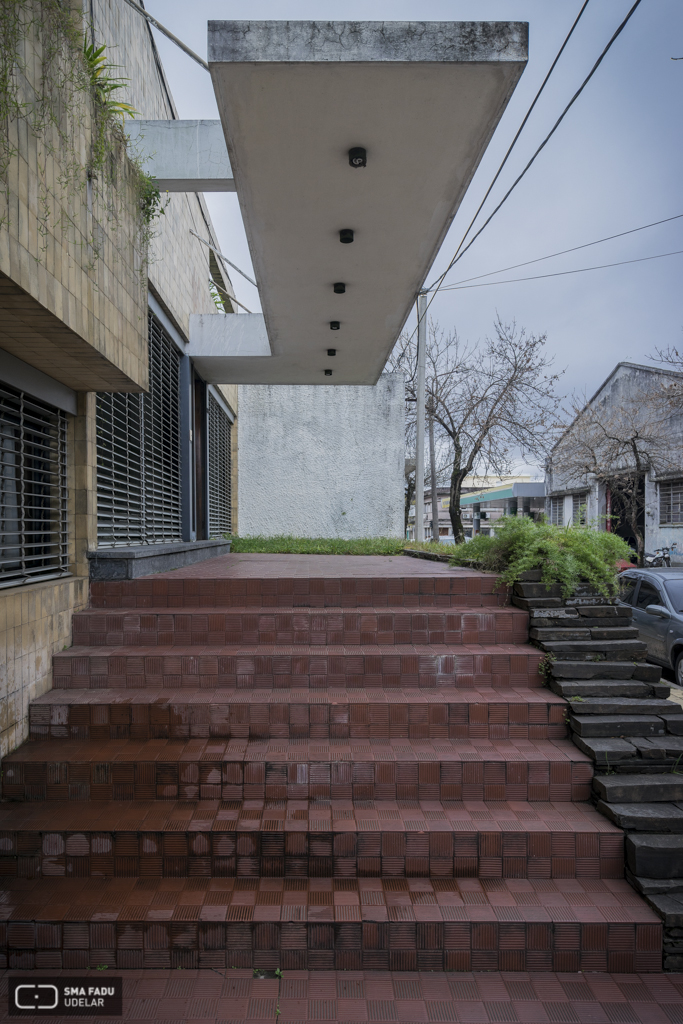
[
  {"x": 617, "y": 442},
  {"x": 491, "y": 402},
  {"x": 672, "y": 386}
]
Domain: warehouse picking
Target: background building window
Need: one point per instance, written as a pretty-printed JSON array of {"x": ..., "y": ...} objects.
[
  {"x": 670, "y": 502},
  {"x": 579, "y": 508},
  {"x": 33, "y": 491},
  {"x": 220, "y": 515},
  {"x": 138, "y": 454},
  {"x": 557, "y": 511}
]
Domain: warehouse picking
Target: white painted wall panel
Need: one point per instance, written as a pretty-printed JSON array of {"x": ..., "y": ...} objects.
[{"x": 317, "y": 461}]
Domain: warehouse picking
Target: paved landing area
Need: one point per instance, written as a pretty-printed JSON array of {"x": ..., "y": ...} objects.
[
  {"x": 236, "y": 997},
  {"x": 238, "y": 566}
]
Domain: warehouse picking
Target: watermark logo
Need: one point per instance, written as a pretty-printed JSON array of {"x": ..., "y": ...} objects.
[{"x": 65, "y": 997}]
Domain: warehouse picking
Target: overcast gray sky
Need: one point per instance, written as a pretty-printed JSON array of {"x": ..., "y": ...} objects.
[{"x": 615, "y": 163}]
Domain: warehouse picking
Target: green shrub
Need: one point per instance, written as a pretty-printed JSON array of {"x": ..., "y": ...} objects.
[{"x": 569, "y": 556}]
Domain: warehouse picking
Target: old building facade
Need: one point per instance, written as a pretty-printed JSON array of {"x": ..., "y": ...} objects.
[{"x": 583, "y": 498}]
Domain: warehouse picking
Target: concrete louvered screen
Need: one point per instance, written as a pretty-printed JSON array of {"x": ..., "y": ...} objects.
[
  {"x": 138, "y": 454},
  {"x": 33, "y": 489}
]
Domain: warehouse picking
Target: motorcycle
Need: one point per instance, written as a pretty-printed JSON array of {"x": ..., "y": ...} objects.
[{"x": 660, "y": 559}]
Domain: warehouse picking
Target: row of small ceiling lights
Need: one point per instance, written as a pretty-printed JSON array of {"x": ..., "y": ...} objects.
[{"x": 357, "y": 158}]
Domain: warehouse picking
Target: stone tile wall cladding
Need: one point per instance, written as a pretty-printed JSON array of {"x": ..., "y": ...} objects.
[
  {"x": 195, "y": 796},
  {"x": 621, "y": 718}
]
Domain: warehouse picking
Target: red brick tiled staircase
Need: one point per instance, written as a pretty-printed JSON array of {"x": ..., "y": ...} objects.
[{"x": 309, "y": 763}]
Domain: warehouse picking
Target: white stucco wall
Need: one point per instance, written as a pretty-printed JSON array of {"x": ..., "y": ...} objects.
[{"x": 320, "y": 461}]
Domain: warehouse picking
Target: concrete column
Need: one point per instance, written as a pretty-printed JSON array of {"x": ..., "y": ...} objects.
[
  {"x": 476, "y": 519},
  {"x": 83, "y": 482}
]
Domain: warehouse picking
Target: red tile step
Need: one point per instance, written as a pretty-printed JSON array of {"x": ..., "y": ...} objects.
[
  {"x": 296, "y": 838},
  {"x": 288, "y": 666},
  {"x": 298, "y": 769},
  {"x": 486, "y": 713},
  {"x": 319, "y": 627},
  {"x": 325, "y": 924},
  {"x": 321, "y": 582},
  {"x": 376, "y": 995}
]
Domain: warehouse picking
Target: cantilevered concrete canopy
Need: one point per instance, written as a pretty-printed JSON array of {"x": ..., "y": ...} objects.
[{"x": 423, "y": 99}]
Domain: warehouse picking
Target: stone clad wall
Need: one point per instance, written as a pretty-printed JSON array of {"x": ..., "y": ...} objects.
[
  {"x": 49, "y": 263},
  {"x": 318, "y": 461}
]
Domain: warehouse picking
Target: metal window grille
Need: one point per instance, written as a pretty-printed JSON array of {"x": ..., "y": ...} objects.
[
  {"x": 138, "y": 454},
  {"x": 557, "y": 511},
  {"x": 120, "y": 505},
  {"x": 579, "y": 508},
  {"x": 670, "y": 502},
  {"x": 220, "y": 515},
  {"x": 33, "y": 490}
]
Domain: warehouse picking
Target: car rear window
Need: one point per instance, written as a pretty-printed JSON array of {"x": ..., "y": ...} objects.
[
  {"x": 674, "y": 589},
  {"x": 627, "y": 586}
]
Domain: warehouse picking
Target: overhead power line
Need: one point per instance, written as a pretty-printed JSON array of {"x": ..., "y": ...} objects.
[
  {"x": 169, "y": 35},
  {"x": 521, "y": 127},
  {"x": 562, "y": 252},
  {"x": 557, "y": 273},
  {"x": 461, "y": 252}
]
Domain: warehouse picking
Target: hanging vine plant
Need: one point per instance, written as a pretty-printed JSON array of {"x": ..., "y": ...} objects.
[{"x": 66, "y": 92}]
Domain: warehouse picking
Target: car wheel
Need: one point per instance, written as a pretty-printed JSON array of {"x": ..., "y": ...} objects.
[{"x": 679, "y": 670}]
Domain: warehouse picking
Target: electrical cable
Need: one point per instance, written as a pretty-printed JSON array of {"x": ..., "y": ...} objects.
[
  {"x": 521, "y": 127},
  {"x": 435, "y": 288},
  {"x": 557, "y": 273},
  {"x": 562, "y": 252}
]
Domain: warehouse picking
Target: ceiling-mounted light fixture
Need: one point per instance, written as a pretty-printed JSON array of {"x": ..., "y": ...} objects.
[
  {"x": 331, "y": 351},
  {"x": 358, "y": 157},
  {"x": 334, "y": 325},
  {"x": 346, "y": 235},
  {"x": 328, "y": 373},
  {"x": 339, "y": 287}
]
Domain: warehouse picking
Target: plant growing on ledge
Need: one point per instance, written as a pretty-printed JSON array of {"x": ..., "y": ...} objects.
[{"x": 567, "y": 556}]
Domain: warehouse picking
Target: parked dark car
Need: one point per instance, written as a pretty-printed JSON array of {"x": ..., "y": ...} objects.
[{"x": 656, "y": 596}]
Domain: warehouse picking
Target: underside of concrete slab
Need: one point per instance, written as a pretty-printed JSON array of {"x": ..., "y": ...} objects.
[{"x": 421, "y": 101}]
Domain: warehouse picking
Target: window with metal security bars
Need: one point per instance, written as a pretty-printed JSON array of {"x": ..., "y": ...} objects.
[
  {"x": 220, "y": 515},
  {"x": 579, "y": 508},
  {"x": 671, "y": 502},
  {"x": 33, "y": 490},
  {"x": 138, "y": 454},
  {"x": 557, "y": 511}
]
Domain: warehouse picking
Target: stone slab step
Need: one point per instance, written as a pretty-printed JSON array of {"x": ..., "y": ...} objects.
[
  {"x": 650, "y": 886},
  {"x": 639, "y": 788},
  {"x": 321, "y": 626},
  {"x": 297, "y": 769},
  {"x": 602, "y": 688},
  {"x": 293, "y": 666},
  {"x": 587, "y": 650},
  {"x": 349, "y": 582},
  {"x": 576, "y": 632},
  {"x": 655, "y": 856},
  {"x": 670, "y": 910},
  {"x": 644, "y": 817},
  {"x": 327, "y": 714},
  {"x": 617, "y": 725},
  {"x": 577, "y": 670},
  {"x": 605, "y": 752},
  {"x": 319, "y": 924},
  {"x": 301, "y": 838},
  {"x": 627, "y": 706}
]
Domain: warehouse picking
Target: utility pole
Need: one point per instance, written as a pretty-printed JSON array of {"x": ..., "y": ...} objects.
[
  {"x": 432, "y": 473},
  {"x": 420, "y": 418}
]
